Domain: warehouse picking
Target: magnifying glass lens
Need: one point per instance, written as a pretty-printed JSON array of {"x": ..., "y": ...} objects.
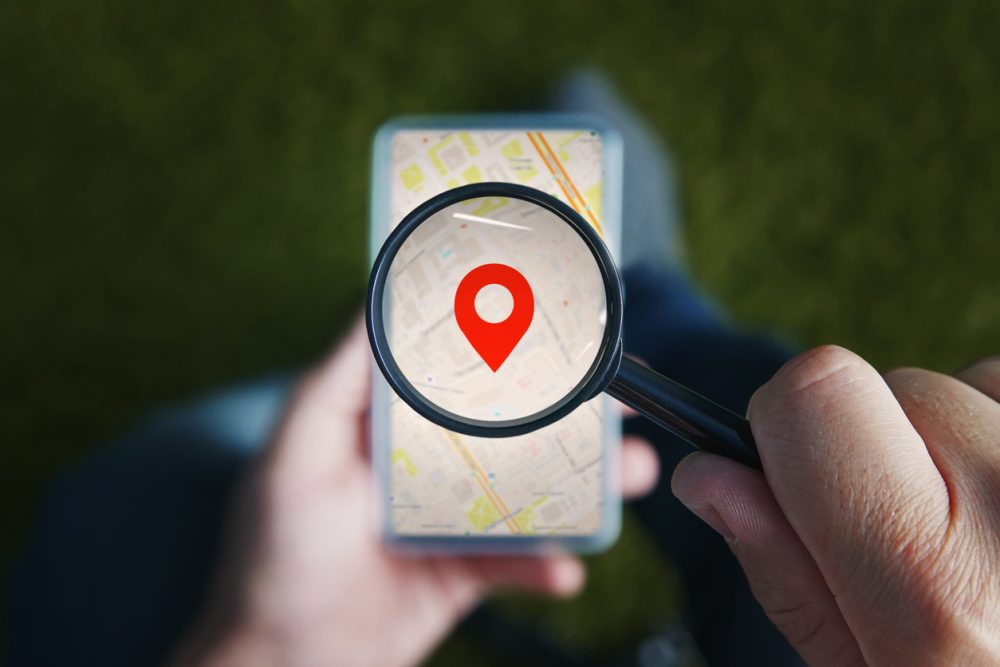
[{"x": 495, "y": 310}]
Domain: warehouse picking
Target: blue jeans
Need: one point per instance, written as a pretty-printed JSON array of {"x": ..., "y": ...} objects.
[
  {"x": 681, "y": 336},
  {"x": 126, "y": 542}
]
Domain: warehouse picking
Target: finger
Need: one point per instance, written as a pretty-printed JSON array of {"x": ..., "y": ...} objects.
[
  {"x": 984, "y": 375},
  {"x": 640, "y": 467},
  {"x": 558, "y": 575},
  {"x": 959, "y": 423},
  {"x": 736, "y": 502},
  {"x": 626, "y": 411},
  {"x": 854, "y": 479},
  {"x": 343, "y": 375},
  {"x": 323, "y": 424}
]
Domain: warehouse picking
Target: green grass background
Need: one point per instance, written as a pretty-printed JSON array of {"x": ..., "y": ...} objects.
[{"x": 184, "y": 190}]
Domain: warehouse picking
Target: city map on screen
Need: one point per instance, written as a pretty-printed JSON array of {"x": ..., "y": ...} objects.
[{"x": 546, "y": 483}]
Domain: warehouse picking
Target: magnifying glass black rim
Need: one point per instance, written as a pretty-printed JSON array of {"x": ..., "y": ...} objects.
[{"x": 593, "y": 381}]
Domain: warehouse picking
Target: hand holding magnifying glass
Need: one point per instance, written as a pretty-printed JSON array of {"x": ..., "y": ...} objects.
[{"x": 528, "y": 353}]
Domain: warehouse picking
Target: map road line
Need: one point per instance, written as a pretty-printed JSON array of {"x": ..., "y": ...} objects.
[
  {"x": 483, "y": 480},
  {"x": 555, "y": 176},
  {"x": 583, "y": 202}
]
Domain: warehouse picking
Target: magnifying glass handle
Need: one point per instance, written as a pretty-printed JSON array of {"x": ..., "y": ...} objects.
[{"x": 690, "y": 416}]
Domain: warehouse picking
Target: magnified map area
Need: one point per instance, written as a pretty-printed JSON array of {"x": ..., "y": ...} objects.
[{"x": 556, "y": 351}]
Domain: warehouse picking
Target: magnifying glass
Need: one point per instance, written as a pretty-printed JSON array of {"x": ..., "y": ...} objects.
[{"x": 495, "y": 309}]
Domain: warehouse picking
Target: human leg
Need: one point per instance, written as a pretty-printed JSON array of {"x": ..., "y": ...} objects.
[{"x": 126, "y": 541}]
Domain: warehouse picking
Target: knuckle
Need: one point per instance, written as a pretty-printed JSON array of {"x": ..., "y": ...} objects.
[
  {"x": 984, "y": 373},
  {"x": 908, "y": 377},
  {"x": 919, "y": 389},
  {"x": 991, "y": 362},
  {"x": 809, "y": 378},
  {"x": 907, "y": 381},
  {"x": 905, "y": 374},
  {"x": 818, "y": 366}
]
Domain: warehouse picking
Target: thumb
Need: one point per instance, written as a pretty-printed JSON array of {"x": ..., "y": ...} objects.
[
  {"x": 736, "y": 502},
  {"x": 323, "y": 427}
]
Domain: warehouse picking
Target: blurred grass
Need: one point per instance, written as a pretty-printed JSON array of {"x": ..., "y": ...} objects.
[{"x": 184, "y": 188}]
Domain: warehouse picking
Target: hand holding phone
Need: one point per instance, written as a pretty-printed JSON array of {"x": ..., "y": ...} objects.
[{"x": 305, "y": 578}]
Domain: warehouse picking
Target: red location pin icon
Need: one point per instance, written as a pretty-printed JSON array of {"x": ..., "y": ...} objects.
[{"x": 494, "y": 341}]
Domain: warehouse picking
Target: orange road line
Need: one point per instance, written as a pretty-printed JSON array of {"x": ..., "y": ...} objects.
[
  {"x": 483, "y": 479},
  {"x": 486, "y": 480},
  {"x": 466, "y": 457},
  {"x": 555, "y": 176},
  {"x": 555, "y": 159},
  {"x": 484, "y": 484}
]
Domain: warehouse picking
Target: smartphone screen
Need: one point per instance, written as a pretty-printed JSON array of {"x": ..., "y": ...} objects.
[{"x": 440, "y": 488}]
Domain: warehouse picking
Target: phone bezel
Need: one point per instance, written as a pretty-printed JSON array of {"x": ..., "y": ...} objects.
[{"x": 379, "y": 228}]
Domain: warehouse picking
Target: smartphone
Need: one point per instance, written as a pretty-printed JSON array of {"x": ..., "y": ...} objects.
[{"x": 558, "y": 486}]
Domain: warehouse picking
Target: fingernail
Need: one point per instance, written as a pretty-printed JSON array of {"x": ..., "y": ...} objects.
[{"x": 711, "y": 516}]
